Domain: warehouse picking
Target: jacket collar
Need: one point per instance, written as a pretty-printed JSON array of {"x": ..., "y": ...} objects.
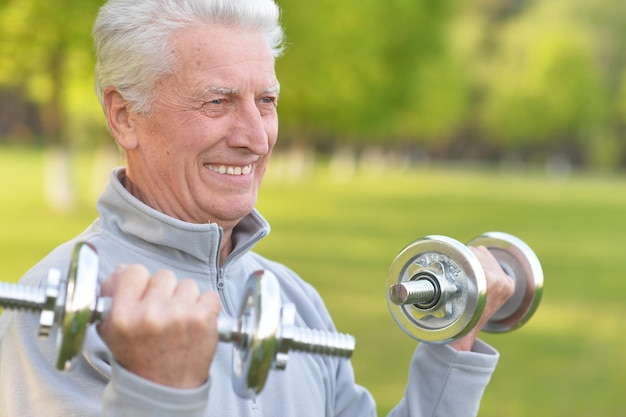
[{"x": 123, "y": 214}]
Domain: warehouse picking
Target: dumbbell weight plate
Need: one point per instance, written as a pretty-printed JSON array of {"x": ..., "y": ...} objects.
[
  {"x": 520, "y": 262},
  {"x": 259, "y": 319},
  {"x": 76, "y": 303},
  {"x": 453, "y": 316}
]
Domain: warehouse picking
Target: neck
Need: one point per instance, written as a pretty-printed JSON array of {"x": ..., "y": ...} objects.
[
  {"x": 227, "y": 246},
  {"x": 227, "y": 243}
]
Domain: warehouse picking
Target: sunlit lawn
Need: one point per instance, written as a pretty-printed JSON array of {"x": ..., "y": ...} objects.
[{"x": 341, "y": 234}]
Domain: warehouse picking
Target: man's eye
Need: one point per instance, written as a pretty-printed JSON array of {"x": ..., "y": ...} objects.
[
  {"x": 216, "y": 101},
  {"x": 268, "y": 100}
]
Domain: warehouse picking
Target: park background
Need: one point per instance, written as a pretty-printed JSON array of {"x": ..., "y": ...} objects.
[{"x": 399, "y": 119}]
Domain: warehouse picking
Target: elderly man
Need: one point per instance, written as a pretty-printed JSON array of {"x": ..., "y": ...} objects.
[{"x": 190, "y": 93}]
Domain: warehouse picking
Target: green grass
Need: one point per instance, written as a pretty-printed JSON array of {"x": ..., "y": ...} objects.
[{"x": 342, "y": 235}]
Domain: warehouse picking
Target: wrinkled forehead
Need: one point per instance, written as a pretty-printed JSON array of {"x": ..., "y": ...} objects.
[
  {"x": 225, "y": 58},
  {"x": 221, "y": 44}
]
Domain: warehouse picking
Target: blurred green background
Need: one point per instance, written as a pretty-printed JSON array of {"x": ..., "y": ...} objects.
[{"x": 399, "y": 119}]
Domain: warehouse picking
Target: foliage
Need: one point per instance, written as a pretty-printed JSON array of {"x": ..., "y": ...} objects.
[
  {"x": 544, "y": 86},
  {"x": 352, "y": 66},
  {"x": 474, "y": 78},
  {"x": 46, "y": 51}
]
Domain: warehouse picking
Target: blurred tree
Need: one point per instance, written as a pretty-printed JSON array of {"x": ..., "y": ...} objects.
[
  {"x": 426, "y": 91},
  {"x": 536, "y": 85},
  {"x": 543, "y": 87},
  {"x": 46, "y": 51},
  {"x": 351, "y": 68},
  {"x": 605, "y": 20}
]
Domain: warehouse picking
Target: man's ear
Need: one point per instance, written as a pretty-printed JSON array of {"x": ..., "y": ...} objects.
[{"x": 120, "y": 119}]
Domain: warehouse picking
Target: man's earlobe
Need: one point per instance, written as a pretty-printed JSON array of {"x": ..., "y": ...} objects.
[{"x": 120, "y": 119}]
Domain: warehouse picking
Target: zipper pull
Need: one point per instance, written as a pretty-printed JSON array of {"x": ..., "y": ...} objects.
[{"x": 220, "y": 279}]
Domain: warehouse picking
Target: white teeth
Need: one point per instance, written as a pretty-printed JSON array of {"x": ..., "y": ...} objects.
[{"x": 230, "y": 170}]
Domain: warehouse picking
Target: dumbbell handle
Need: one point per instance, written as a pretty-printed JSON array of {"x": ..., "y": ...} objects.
[
  {"x": 28, "y": 298},
  {"x": 293, "y": 338}
]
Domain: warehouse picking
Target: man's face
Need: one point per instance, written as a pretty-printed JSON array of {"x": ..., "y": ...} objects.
[{"x": 201, "y": 152}]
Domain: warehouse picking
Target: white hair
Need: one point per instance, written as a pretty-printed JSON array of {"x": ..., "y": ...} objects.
[{"x": 132, "y": 38}]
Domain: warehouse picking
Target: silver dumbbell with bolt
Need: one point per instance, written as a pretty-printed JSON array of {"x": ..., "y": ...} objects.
[
  {"x": 262, "y": 335},
  {"x": 436, "y": 287}
]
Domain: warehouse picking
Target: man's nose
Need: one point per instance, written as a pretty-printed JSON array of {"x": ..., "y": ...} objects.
[{"x": 249, "y": 130}]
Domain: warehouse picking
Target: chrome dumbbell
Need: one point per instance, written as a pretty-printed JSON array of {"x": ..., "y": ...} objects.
[
  {"x": 262, "y": 335},
  {"x": 436, "y": 287}
]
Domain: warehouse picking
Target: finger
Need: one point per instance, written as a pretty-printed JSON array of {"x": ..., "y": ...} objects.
[
  {"x": 207, "y": 310},
  {"x": 500, "y": 286},
  {"x": 131, "y": 278},
  {"x": 210, "y": 301},
  {"x": 486, "y": 258},
  {"x": 125, "y": 287},
  {"x": 187, "y": 289},
  {"x": 491, "y": 266},
  {"x": 182, "y": 304},
  {"x": 107, "y": 287},
  {"x": 202, "y": 308},
  {"x": 161, "y": 286}
]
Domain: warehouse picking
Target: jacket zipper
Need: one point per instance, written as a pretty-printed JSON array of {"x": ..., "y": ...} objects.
[
  {"x": 220, "y": 288},
  {"x": 220, "y": 271}
]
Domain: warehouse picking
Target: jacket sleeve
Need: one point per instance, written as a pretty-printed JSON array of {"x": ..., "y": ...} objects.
[
  {"x": 445, "y": 382},
  {"x": 30, "y": 385},
  {"x": 129, "y": 395}
]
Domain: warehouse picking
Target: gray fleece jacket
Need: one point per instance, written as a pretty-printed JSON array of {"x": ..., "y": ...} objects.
[{"x": 442, "y": 382}]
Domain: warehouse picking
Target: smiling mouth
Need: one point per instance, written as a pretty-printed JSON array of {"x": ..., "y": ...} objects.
[{"x": 230, "y": 170}]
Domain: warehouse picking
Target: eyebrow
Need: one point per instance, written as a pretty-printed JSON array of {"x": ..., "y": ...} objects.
[
  {"x": 272, "y": 89},
  {"x": 227, "y": 91}
]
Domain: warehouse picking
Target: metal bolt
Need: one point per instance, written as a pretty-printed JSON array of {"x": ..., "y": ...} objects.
[
  {"x": 318, "y": 342},
  {"x": 20, "y": 297},
  {"x": 421, "y": 291},
  {"x": 290, "y": 338}
]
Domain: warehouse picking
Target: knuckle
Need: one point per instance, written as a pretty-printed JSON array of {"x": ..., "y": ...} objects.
[
  {"x": 211, "y": 300},
  {"x": 121, "y": 322},
  {"x": 163, "y": 276},
  {"x": 153, "y": 323},
  {"x": 199, "y": 323},
  {"x": 135, "y": 271},
  {"x": 188, "y": 286}
]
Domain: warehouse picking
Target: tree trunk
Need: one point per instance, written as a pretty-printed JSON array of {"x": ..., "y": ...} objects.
[{"x": 59, "y": 189}]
